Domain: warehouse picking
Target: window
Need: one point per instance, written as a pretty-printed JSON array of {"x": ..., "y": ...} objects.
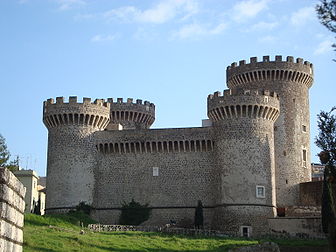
[
  {"x": 245, "y": 231},
  {"x": 304, "y": 158},
  {"x": 155, "y": 171},
  {"x": 260, "y": 191},
  {"x": 304, "y": 128},
  {"x": 247, "y": 92},
  {"x": 266, "y": 99}
]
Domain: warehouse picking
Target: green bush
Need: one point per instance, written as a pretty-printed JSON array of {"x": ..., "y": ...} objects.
[
  {"x": 134, "y": 213},
  {"x": 83, "y": 207}
]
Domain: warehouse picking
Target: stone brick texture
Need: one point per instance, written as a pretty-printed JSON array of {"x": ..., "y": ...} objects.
[
  {"x": 259, "y": 137},
  {"x": 12, "y": 205}
]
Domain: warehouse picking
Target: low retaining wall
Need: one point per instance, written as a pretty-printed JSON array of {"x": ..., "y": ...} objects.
[
  {"x": 12, "y": 206},
  {"x": 296, "y": 227},
  {"x": 165, "y": 229}
]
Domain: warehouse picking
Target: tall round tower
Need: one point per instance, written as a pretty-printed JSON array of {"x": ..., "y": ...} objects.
[
  {"x": 291, "y": 80},
  {"x": 71, "y": 150},
  {"x": 131, "y": 115},
  {"x": 243, "y": 123}
]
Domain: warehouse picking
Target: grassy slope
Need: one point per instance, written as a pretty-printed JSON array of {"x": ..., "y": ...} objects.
[{"x": 61, "y": 233}]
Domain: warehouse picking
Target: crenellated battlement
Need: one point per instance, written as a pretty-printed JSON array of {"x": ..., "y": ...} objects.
[
  {"x": 131, "y": 114},
  {"x": 130, "y": 101},
  {"x": 60, "y": 113},
  {"x": 73, "y": 100},
  {"x": 266, "y": 59},
  {"x": 243, "y": 103},
  {"x": 294, "y": 70}
]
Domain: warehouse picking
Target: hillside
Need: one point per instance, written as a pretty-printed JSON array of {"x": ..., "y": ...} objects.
[{"x": 62, "y": 233}]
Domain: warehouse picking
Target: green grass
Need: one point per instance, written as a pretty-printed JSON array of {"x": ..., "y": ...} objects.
[{"x": 62, "y": 233}]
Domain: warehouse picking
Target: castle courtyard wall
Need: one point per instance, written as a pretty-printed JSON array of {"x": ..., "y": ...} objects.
[{"x": 184, "y": 175}]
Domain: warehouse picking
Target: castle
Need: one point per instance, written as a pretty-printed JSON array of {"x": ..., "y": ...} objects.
[{"x": 245, "y": 162}]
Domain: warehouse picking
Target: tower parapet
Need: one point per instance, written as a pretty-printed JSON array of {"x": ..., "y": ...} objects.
[
  {"x": 266, "y": 70},
  {"x": 130, "y": 114},
  {"x": 91, "y": 114},
  {"x": 243, "y": 103}
]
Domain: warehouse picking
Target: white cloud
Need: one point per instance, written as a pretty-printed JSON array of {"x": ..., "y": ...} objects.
[
  {"x": 69, "y": 4},
  {"x": 263, "y": 26},
  {"x": 158, "y": 14},
  {"x": 324, "y": 47},
  {"x": 267, "y": 39},
  {"x": 302, "y": 16},
  {"x": 248, "y": 9},
  {"x": 197, "y": 30},
  {"x": 104, "y": 38}
]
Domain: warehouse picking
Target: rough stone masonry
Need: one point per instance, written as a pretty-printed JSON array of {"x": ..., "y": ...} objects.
[{"x": 250, "y": 158}]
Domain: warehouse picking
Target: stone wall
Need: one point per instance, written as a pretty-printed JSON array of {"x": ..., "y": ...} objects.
[
  {"x": 298, "y": 227},
  {"x": 12, "y": 205},
  {"x": 184, "y": 175},
  {"x": 291, "y": 79},
  {"x": 311, "y": 193}
]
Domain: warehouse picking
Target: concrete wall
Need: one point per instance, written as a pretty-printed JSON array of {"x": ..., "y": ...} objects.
[
  {"x": 29, "y": 180},
  {"x": 12, "y": 206},
  {"x": 304, "y": 227}
]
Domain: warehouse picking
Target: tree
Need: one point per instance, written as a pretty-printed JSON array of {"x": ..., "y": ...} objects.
[
  {"x": 326, "y": 13},
  {"x": 4, "y": 153},
  {"x": 199, "y": 215},
  {"x": 13, "y": 165},
  {"x": 4, "y": 157},
  {"x": 134, "y": 213},
  {"x": 326, "y": 140}
]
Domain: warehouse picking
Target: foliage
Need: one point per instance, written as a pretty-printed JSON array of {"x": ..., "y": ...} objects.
[
  {"x": 13, "y": 165},
  {"x": 83, "y": 207},
  {"x": 4, "y": 157},
  {"x": 326, "y": 13},
  {"x": 134, "y": 213},
  {"x": 199, "y": 215},
  {"x": 328, "y": 204},
  {"x": 37, "y": 207},
  {"x": 326, "y": 140},
  {"x": 4, "y": 153}
]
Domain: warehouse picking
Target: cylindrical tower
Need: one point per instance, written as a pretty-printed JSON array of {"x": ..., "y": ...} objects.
[
  {"x": 131, "y": 115},
  {"x": 243, "y": 123},
  {"x": 291, "y": 80},
  {"x": 71, "y": 150}
]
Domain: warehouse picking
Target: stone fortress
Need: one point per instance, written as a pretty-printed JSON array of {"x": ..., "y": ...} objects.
[{"x": 247, "y": 161}]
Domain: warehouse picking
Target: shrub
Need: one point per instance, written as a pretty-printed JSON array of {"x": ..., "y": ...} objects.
[
  {"x": 134, "y": 213},
  {"x": 83, "y": 207}
]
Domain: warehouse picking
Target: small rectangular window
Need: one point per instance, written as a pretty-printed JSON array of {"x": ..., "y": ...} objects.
[
  {"x": 245, "y": 231},
  {"x": 266, "y": 99},
  {"x": 304, "y": 128},
  {"x": 155, "y": 171},
  {"x": 304, "y": 158},
  {"x": 260, "y": 191}
]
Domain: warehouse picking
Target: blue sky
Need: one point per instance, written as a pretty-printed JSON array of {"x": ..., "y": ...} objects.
[{"x": 170, "y": 52}]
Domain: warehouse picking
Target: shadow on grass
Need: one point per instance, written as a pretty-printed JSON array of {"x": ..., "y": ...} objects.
[{"x": 39, "y": 249}]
